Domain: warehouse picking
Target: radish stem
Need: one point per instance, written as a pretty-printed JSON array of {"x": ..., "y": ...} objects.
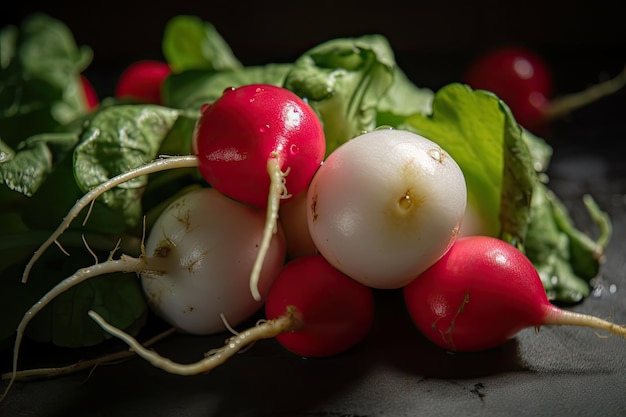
[
  {"x": 289, "y": 321},
  {"x": 563, "y": 105},
  {"x": 187, "y": 161}
]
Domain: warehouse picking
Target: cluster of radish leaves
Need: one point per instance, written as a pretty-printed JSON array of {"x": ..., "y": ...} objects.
[{"x": 353, "y": 84}]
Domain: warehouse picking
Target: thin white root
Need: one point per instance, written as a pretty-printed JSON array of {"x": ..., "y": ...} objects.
[
  {"x": 124, "y": 264},
  {"x": 291, "y": 320},
  {"x": 110, "y": 358},
  {"x": 571, "y": 318},
  {"x": 163, "y": 164},
  {"x": 277, "y": 191}
]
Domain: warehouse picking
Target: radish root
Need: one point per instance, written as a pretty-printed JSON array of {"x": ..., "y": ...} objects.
[
  {"x": 41, "y": 373},
  {"x": 289, "y": 321},
  {"x": 570, "y": 318},
  {"x": 277, "y": 191},
  {"x": 187, "y": 161},
  {"x": 124, "y": 264}
]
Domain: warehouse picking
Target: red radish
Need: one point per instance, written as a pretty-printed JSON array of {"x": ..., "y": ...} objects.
[
  {"x": 522, "y": 79},
  {"x": 91, "y": 97},
  {"x": 142, "y": 81},
  {"x": 258, "y": 144},
  {"x": 312, "y": 309},
  {"x": 336, "y": 311},
  {"x": 481, "y": 293},
  {"x": 258, "y": 129}
]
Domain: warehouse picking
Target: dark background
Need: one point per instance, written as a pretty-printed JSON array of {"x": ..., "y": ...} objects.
[{"x": 434, "y": 40}]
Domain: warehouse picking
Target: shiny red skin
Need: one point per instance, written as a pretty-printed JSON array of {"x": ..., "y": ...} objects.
[
  {"x": 142, "y": 81},
  {"x": 479, "y": 295},
  {"x": 519, "y": 77},
  {"x": 237, "y": 135},
  {"x": 337, "y": 312}
]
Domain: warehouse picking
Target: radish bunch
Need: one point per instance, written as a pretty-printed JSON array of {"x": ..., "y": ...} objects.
[{"x": 383, "y": 211}]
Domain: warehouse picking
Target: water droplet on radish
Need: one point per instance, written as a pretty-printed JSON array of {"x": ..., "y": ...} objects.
[
  {"x": 436, "y": 154},
  {"x": 294, "y": 149}
]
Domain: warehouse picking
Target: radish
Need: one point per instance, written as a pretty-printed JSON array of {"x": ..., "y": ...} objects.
[
  {"x": 312, "y": 309},
  {"x": 522, "y": 79},
  {"x": 253, "y": 129},
  {"x": 336, "y": 312},
  {"x": 142, "y": 81},
  {"x": 385, "y": 206},
  {"x": 90, "y": 94},
  {"x": 249, "y": 131},
  {"x": 195, "y": 266},
  {"x": 481, "y": 293}
]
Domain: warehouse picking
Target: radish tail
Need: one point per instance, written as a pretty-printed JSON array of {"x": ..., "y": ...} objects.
[
  {"x": 125, "y": 263},
  {"x": 289, "y": 321},
  {"x": 276, "y": 193},
  {"x": 560, "y": 317},
  {"x": 563, "y": 105}
]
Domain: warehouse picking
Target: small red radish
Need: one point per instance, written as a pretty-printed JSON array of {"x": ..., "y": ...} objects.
[
  {"x": 336, "y": 312},
  {"x": 142, "y": 81},
  {"x": 312, "y": 309},
  {"x": 481, "y": 293},
  {"x": 256, "y": 129},
  {"x": 386, "y": 205},
  {"x": 258, "y": 144},
  {"x": 523, "y": 80}
]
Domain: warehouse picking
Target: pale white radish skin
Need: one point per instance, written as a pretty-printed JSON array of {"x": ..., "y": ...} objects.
[
  {"x": 292, "y": 216},
  {"x": 213, "y": 242},
  {"x": 385, "y": 206}
]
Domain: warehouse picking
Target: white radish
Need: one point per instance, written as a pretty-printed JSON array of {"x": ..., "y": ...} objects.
[
  {"x": 385, "y": 206},
  {"x": 212, "y": 242},
  {"x": 195, "y": 267}
]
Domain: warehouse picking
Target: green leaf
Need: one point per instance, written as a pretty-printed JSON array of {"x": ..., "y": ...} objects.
[
  {"x": 343, "y": 80},
  {"x": 64, "y": 322},
  {"x": 403, "y": 99},
  {"x": 478, "y": 131},
  {"x": 189, "y": 44},
  {"x": 40, "y": 87},
  {"x": 24, "y": 171},
  {"x": 117, "y": 139},
  {"x": 566, "y": 258},
  {"x": 191, "y": 89}
]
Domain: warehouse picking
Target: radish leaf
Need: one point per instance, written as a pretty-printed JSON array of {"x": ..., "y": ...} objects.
[
  {"x": 189, "y": 44},
  {"x": 117, "y": 139},
  {"x": 343, "y": 79}
]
